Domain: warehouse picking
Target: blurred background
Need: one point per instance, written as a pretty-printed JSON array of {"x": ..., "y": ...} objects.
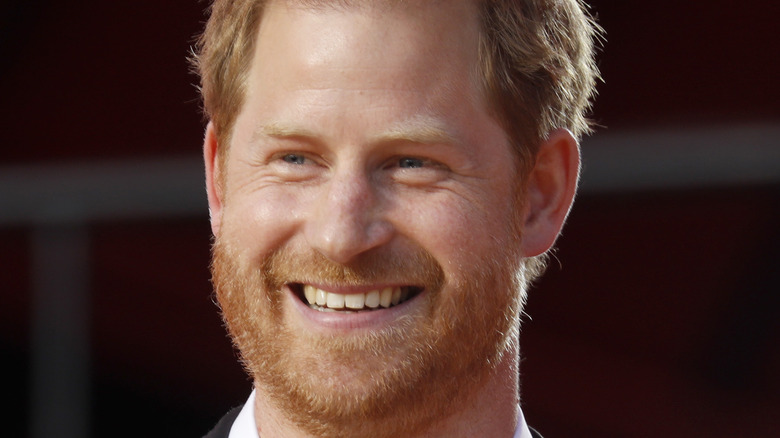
[{"x": 658, "y": 315}]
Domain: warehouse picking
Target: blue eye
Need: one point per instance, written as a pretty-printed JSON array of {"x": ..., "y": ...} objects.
[
  {"x": 411, "y": 163},
  {"x": 294, "y": 159}
]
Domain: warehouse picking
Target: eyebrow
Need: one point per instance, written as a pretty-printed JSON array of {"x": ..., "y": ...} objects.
[
  {"x": 281, "y": 130},
  {"x": 422, "y": 130}
]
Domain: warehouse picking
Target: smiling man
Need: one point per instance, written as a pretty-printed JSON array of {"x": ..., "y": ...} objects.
[{"x": 384, "y": 179}]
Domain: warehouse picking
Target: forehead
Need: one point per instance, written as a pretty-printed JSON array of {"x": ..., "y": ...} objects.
[
  {"x": 351, "y": 73},
  {"x": 399, "y": 45}
]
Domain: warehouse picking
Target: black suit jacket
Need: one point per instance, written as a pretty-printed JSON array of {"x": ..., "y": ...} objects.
[{"x": 222, "y": 429}]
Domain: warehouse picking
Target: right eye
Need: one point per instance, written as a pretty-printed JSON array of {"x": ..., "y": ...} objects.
[
  {"x": 411, "y": 163},
  {"x": 294, "y": 159}
]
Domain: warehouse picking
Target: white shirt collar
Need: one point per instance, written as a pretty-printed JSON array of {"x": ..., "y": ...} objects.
[
  {"x": 522, "y": 430},
  {"x": 245, "y": 426}
]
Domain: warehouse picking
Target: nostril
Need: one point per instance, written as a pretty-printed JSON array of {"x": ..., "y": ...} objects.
[{"x": 347, "y": 222}]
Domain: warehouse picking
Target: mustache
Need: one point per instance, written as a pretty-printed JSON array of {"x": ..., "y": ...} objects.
[{"x": 413, "y": 267}]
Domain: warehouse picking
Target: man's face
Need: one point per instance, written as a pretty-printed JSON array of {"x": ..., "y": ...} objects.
[{"x": 365, "y": 173}]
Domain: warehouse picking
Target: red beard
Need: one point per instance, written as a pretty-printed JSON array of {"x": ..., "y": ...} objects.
[{"x": 384, "y": 383}]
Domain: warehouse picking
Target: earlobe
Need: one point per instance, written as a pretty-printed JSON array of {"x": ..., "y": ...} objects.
[
  {"x": 213, "y": 178},
  {"x": 550, "y": 191}
]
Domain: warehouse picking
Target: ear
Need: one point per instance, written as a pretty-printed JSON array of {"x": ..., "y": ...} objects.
[
  {"x": 213, "y": 178},
  {"x": 550, "y": 191}
]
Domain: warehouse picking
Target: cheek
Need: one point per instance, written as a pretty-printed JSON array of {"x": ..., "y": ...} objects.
[
  {"x": 459, "y": 233},
  {"x": 258, "y": 222}
]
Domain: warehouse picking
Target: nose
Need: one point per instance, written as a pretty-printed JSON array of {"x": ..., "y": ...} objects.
[{"x": 347, "y": 218}]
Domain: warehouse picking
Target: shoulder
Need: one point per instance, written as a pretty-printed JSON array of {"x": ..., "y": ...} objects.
[
  {"x": 222, "y": 428},
  {"x": 534, "y": 433}
]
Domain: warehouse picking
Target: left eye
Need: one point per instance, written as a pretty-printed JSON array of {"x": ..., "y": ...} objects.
[
  {"x": 294, "y": 159},
  {"x": 411, "y": 163}
]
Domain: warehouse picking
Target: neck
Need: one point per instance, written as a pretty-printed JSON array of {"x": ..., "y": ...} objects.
[{"x": 492, "y": 410}]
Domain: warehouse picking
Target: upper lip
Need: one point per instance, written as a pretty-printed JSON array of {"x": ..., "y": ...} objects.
[{"x": 352, "y": 289}]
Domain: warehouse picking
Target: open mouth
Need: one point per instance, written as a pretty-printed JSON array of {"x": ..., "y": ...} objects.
[{"x": 324, "y": 301}]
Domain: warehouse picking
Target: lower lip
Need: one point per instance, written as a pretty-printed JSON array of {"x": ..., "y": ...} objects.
[{"x": 348, "y": 322}]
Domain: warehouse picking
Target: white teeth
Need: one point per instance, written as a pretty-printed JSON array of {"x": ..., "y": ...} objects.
[
  {"x": 396, "y": 296},
  {"x": 372, "y": 299},
  {"x": 386, "y": 298},
  {"x": 311, "y": 293},
  {"x": 354, "y": 301},
  {"x": 323, "y": 300},
  {"x": 335, "y": 301}
]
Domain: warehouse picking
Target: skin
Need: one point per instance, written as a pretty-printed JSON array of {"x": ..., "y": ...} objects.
[{"x": 364, "y": 134}]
